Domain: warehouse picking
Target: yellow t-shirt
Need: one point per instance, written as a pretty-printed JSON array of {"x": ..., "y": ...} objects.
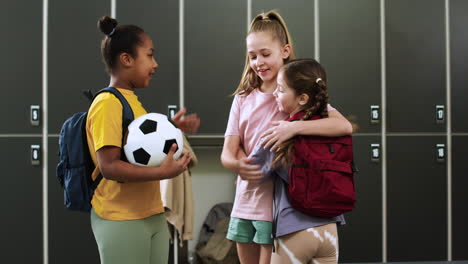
[{"x": 113, "y": 200}]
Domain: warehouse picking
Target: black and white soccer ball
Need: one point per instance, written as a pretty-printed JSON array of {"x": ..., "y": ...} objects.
[{"x": 149, "y": 139}]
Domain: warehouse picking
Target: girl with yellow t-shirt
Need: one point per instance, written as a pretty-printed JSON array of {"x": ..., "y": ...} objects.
[{"x": 127, "y": 217}]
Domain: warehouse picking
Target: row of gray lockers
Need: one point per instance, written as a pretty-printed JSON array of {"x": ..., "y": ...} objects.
[
  {"x": 415, "y": 216},
  {"x": 349, "y": 46}
]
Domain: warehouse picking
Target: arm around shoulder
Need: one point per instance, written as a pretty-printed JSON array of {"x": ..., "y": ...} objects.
[
  {"x": 334, "y": 126},
  {"x": 343, "y": 125}
]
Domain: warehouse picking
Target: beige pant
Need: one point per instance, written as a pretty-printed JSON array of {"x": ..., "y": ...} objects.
[{"x": 314, "y": 245}]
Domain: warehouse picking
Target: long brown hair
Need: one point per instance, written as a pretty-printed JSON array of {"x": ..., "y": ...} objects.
[
  {"x": 304, "y": 76},
  {"x": 273, "y": 23}
]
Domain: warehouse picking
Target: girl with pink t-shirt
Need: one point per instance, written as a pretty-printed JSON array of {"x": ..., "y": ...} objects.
[{"x": 269, "y": 47}]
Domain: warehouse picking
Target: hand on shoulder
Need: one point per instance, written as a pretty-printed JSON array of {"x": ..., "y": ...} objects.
[{"x": 279, "y": 133}]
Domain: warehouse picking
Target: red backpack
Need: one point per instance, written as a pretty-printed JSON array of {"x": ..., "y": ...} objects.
[{"x": 321, "y": 177}]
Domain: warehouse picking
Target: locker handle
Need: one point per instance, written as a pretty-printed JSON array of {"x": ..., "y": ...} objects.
[
  {"x": 35, "y": 155},
  {"x": 375, "y": 152},
  {"x": 440, "y": 152},
  {"x": 374, "y": 114}
]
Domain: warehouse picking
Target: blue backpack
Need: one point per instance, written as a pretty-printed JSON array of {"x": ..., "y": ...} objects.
[{"x": 75, "y": 165}]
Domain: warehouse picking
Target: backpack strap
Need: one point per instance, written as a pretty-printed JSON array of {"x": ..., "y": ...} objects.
[
  {"x": 127, "y": 118},
  {"x": 127, "y": 113}
]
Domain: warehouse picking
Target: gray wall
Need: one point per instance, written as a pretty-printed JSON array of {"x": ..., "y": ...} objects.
[{"x": 411, "y": 206}]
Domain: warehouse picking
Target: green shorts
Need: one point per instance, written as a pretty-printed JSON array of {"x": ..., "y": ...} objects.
[{"x": 247, "y": 231}]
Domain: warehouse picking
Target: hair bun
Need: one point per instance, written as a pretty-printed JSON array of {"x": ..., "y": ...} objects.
[{"x": 107, "y": 24}]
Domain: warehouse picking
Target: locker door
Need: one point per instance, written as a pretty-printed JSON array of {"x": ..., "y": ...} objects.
[
  {"x": 350, "y": 53},
  {"x": 416, "y": 199},
  {"x": 71, "y": 239},
  {"x": 74, "y": 57},
  {"x": 20, "y": 67},
  {"x": 415, "y": 59},
  {"x": 459, "y": 197},
  {"x": 21, "y": 205},
  {"x": 160, "y": 20},
  {"x": 459, "y": 64},
  {"x": 215, "y": 53},
  {"x": 360, "y": 240}
]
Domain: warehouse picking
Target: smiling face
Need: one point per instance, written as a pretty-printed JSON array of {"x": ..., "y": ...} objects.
[
  {"x": 266, "y": 55},
  {"x": 144, "y": 64},
  {"x": 286, "y": 98}
]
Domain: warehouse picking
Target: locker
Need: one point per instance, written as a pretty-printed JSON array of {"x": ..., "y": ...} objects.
[
  {"x": 459, "y": 197},
  {"x": 350, "y": 53},
  {"x": 71, "y": 239},
  {"x": 415, "y": 61},
  {"x": 214, "y": 49},
  {"x": 21, "y": 198},
  {"x": 20, "y": 68},
  {"x": 74, "y": 57},
  {"x": 360, "y": 240},
  {"x": 416, "y": 199},
  {"x": 160, "y": 20},
  {"x": 459, "y": 64}
]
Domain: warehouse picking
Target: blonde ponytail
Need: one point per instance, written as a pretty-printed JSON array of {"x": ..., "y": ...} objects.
[{"x": 272, "y": 22}]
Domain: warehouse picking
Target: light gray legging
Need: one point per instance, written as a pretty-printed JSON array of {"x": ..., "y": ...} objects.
[{"x": 143, "y": 241}]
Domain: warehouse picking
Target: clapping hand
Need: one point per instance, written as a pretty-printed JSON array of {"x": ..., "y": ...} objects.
[{"x": 189, "y": 123}]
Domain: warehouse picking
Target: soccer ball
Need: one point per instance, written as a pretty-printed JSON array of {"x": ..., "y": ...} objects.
[{"x": 149, "y": 139}]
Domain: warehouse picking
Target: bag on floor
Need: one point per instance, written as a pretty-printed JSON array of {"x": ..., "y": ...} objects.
[{"x": 213, "y": 247}]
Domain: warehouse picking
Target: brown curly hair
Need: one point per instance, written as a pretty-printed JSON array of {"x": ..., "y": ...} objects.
[{"x": 304, "y": 76}]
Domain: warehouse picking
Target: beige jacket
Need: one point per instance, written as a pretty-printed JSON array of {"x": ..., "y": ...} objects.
[{"x": 177, "y": 199}]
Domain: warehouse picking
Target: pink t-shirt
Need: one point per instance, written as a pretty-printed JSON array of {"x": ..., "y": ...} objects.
[{"x": 250, "y": 116}]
